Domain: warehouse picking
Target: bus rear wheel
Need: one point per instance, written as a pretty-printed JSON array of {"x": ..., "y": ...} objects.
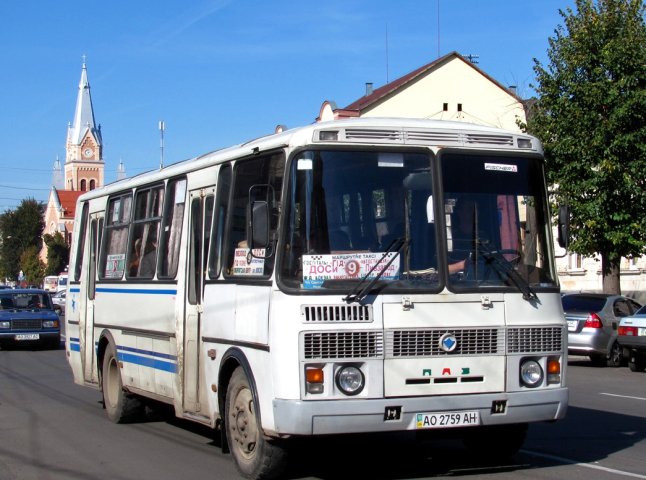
[
  {"x": 255, "y": 456},
  {"x": 120, "y": 406}
]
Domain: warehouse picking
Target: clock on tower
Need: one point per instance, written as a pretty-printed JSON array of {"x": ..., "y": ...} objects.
[{"x": 88, "y": 152}]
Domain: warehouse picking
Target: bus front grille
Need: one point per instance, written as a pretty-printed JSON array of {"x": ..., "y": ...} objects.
[
  {"x": 535, "y": 340},
  {"x": 336, "y": 313},
  {"x": 427, "y": 342},
  {"x": 329, "y": 345}
]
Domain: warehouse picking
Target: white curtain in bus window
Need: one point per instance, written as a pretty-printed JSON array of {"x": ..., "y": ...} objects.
[{"x": 114, "y": 264}]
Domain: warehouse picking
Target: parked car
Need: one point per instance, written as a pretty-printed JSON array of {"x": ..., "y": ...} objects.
[
  {"x": 592, "y": 320},
  {"x": 58, "y": 299},
  {"x": 632, "y": 337},
  {"x": 27, "y": 317}
]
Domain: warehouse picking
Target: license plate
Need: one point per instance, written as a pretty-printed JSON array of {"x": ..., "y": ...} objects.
[
  {"x": 447, "y": 419},
  {"x": 571, "y": 325},
  {"x": 27, "y": 336}
]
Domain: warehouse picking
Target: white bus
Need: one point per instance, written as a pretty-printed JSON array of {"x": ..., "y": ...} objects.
[
  {"x": 50, "y": 283},
  {"x": 363, "y": 275},
  {"x": 62, "y": 281}
]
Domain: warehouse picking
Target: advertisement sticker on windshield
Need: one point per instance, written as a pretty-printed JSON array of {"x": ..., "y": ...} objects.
[
  {"x": 501, "y": 167},
  {"x": 347, "y": 266}
]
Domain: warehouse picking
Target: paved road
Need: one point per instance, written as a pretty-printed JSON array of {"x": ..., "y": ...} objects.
[{"x": 51, "y": 429}]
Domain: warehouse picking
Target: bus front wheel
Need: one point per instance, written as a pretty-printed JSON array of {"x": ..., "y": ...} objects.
[
  {"x": 255, "y": 456},
  {"x": 119, "y": 405}
]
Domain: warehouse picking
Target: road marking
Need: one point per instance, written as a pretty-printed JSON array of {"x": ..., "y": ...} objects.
[
  {"x": 586, "y": 465},
  {"x": 623, "y": 396}
]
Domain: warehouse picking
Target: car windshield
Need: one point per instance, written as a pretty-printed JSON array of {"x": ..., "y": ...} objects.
[
  {"x": 362, "y": 217},
  {"x": 580, "y": 303},
  {"x": 24, "y": 301}
]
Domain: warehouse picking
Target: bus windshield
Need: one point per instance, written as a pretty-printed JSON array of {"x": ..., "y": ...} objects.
[{"x": 356, "y": 215}]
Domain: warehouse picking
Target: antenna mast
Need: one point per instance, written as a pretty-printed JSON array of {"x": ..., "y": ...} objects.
[{"x": 162, "y": 127}]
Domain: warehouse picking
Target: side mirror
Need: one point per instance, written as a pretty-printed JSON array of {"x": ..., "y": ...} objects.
[
  {"x": 564, "y": 226},
  {"x": 259, "y": 224}
]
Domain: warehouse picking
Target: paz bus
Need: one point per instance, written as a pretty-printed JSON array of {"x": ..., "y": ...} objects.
[{"x": 360, "y": 275}]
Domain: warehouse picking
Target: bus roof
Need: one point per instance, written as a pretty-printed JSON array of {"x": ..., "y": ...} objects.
[{"x": 384, "y": 131}]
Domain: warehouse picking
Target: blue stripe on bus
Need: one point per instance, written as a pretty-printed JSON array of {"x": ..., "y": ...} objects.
[
  {"x": 75, "y": 290},
  {"x": 145, "y": 291},
  {"x": 146, "y": 361},
  {"x": 147, "y": 352},
  {"x": 75, "y": 344}
]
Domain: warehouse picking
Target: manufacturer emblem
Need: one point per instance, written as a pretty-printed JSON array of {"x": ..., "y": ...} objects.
[{"x": 448, "y": 342}]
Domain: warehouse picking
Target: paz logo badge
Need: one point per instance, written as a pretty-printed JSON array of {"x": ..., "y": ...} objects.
[{"x": 448, "y": 342}]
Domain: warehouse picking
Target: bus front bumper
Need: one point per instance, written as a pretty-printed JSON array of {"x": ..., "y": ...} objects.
[{"x": 297, "y": 417}]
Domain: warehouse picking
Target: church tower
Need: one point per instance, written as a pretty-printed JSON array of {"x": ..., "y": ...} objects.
[{"x": 84, "y": 166}]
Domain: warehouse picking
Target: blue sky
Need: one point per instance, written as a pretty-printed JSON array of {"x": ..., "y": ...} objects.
[{"x": 220, "y": 72}]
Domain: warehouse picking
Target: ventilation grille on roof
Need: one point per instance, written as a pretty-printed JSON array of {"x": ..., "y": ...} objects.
[{"x": 424, "y": 137}]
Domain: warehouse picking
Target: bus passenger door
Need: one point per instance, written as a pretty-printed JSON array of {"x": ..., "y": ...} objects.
[
  {"x": 88, "y": 289},
  {"x": 201, "y": 216}
]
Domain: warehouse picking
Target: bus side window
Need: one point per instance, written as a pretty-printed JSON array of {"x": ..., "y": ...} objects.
[
  {"x": 81, "y": 244},
  {"x": 142, "y": 260},
  {"x": 113, "y": 264},
  {"x": 219, "y": 220},
  {"x": 267, "y": 170},
  {"x": 172, "y": 227}
]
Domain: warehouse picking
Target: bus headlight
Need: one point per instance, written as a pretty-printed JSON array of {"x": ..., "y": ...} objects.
[
  {"x": 350, "y": 380},
  {"x": 531, "y": 373}
]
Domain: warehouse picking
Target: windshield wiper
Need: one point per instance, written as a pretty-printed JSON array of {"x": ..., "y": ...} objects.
[
  {"x": 502, "y": 265},
  {"x": 356, "y": 294}
]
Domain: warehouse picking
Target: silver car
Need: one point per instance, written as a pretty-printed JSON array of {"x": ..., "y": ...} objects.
[
  {"x": 593, "y": 319},
  {"x": 632, "y": 336},
  {"x": 58, "y": 299}
]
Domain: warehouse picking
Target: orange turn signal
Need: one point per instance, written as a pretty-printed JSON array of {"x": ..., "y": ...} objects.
[{"x": 314, "y": 375}]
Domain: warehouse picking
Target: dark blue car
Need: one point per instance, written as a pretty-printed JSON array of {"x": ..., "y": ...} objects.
[{"x": 27, "y": 317}]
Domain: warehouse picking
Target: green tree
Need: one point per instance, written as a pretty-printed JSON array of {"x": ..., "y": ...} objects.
[
  {"x": 590, "y": 116},
  {"x": 20, "y": 229},
  {"x": 58, "y": 253},
  {"x": 32, "y": 266}
]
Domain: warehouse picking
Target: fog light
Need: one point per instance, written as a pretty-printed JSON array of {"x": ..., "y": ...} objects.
[
  {"x": 531, "y": 373},
  {"x": 350, "y": 380}
]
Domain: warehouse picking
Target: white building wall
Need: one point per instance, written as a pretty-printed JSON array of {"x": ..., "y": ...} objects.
[{"x": 454, "y": 83}]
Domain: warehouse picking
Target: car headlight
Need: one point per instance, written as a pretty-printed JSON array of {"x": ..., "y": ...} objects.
[
  {"x": 5, "y": 324},
  {"x": 50, "y": 323},
  {"x": 350, "y": 380},
  {"x": 531, "y": 373}
]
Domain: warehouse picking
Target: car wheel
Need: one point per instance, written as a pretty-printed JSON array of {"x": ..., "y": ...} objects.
[
  {"x": 599, "y": 360},
  {"x": 120, "y": 406},
  {"x": 637, "y": 363},
  {"x": 255, "y": 456},
  {"x": 615, "y": 356}
]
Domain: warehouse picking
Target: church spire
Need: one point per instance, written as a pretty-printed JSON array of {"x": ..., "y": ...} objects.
[{"x": 84, "y": 113}]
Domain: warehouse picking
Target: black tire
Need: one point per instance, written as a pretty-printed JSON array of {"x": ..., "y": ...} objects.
[
  {"x": 120, "y": 406},
  {"x": 637, "y": 363},
  {"x": 599, "y": 360},
  {"x": 615, "y": 356},
  {"x": 255, "y": 456},
  {"x": 496, "y": 442}
]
